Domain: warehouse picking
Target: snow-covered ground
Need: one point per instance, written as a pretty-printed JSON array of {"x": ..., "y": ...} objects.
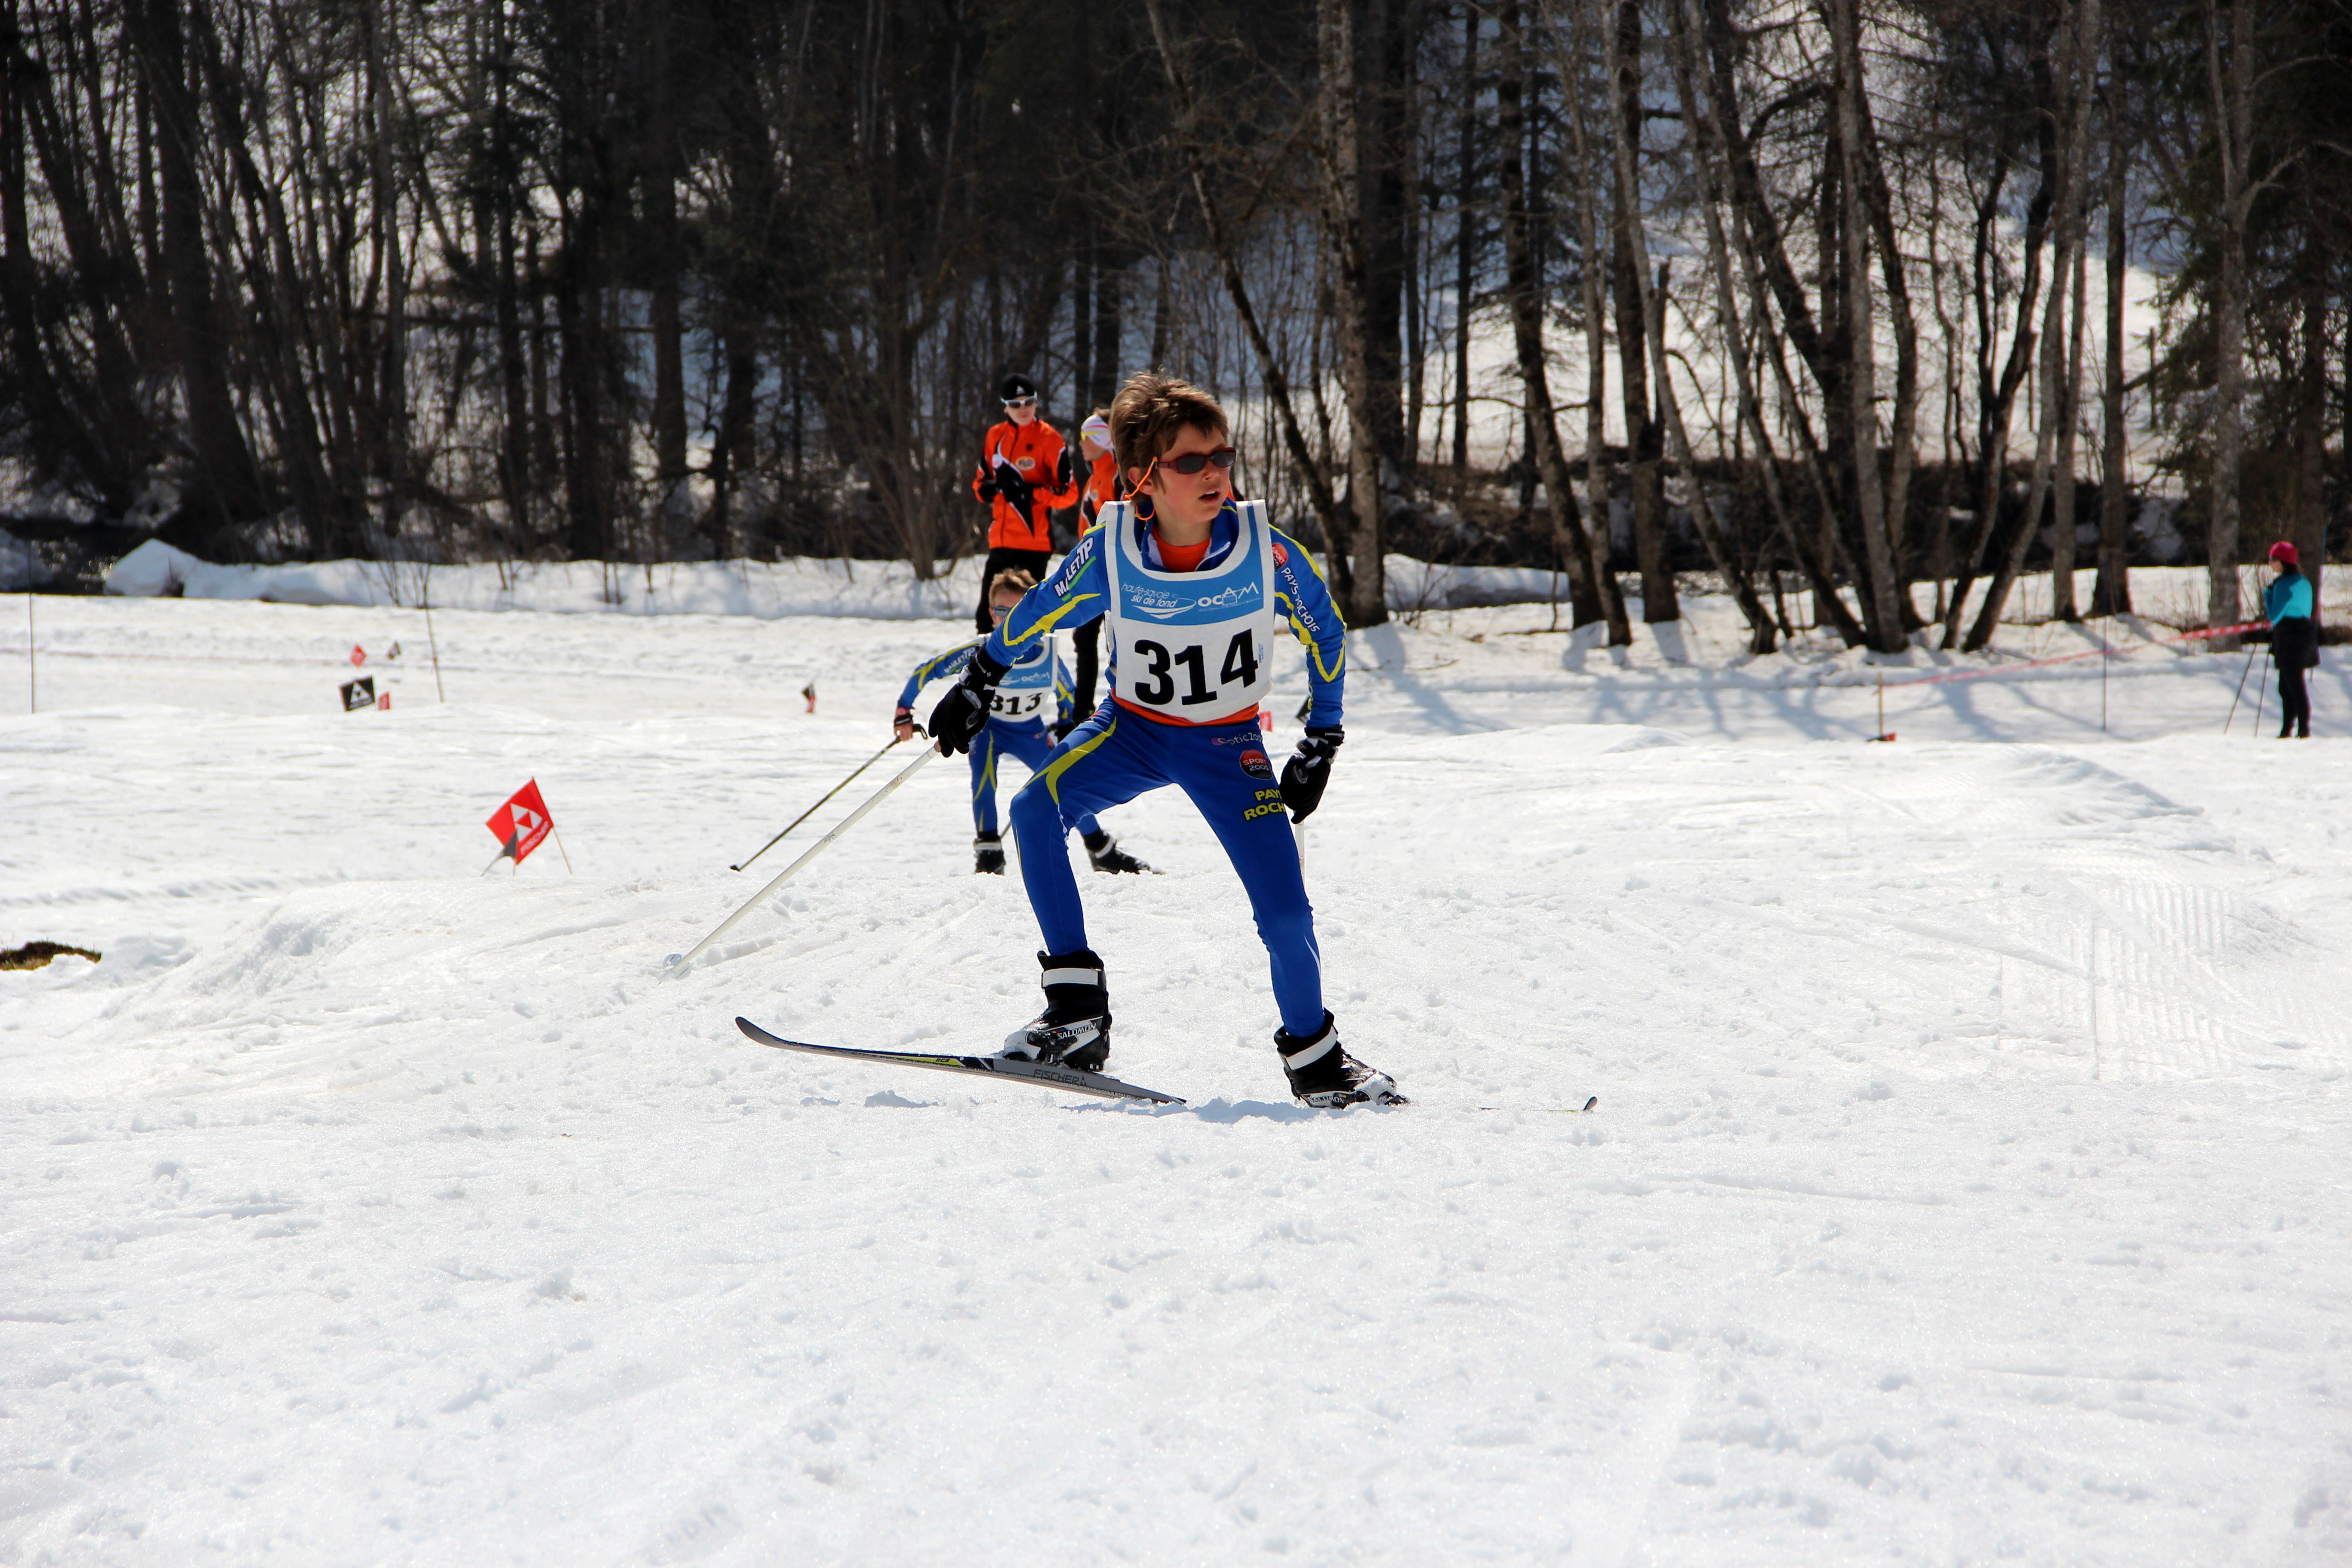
[{"x": 1968, "y": 1182}]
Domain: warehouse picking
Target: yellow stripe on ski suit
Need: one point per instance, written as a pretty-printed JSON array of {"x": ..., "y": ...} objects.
[
  {"x": 1299, "y": 633},
  {"x": 1055, "y": 769},
  {"x": 1046, "y": 622}
]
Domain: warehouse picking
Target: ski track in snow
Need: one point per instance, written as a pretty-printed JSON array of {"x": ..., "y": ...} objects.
[{"x": 1967, "y": 1184}]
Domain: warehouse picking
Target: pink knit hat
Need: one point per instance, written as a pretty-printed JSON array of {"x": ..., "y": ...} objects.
[{"x": 2282, "y": 552}]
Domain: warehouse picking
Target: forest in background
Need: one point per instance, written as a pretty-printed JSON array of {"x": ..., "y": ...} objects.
[{"x": 1832, "y": 294}]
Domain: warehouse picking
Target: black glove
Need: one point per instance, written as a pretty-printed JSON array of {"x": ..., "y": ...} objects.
[
  {"x": 986, "y": 489},
  {"x": 1062, "y": 728},
  {"x": 1309, "y": 770},
  {"x": 1018, "y": 493},
  {"x": 963, "y": 713}
]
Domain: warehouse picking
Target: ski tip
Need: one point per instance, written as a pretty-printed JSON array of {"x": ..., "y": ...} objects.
[{"x": 1588, "y": 1104}]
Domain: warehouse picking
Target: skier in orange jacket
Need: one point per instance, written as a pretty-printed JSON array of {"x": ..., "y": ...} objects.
[{"x": 1025, "y": 471}]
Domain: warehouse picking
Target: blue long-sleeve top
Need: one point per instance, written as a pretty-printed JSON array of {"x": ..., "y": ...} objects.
[
  {"x": 957, "y": 659},
  {"x": 1079, "y": 593},
  {"x": 2287, "y": 597}
]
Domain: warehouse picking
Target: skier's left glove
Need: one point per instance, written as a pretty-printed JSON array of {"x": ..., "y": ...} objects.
[
  {"x": 1018, "y": 493},
  {"x": 963, "y": 713},
  {"x": 1309, "y": 770}
]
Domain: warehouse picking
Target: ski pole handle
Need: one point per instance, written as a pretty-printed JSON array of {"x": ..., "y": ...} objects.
[
  {"x": 805, "y": 816},
  {"x": 786, "y": 875}
]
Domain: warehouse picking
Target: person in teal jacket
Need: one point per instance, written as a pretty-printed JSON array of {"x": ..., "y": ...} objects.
[
  {"x": 2294, "y": 616},
  {"x": 1019, "y": 726}
]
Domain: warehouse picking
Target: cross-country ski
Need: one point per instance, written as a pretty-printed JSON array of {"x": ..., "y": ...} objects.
[{"x": 1043, "y": 1075}]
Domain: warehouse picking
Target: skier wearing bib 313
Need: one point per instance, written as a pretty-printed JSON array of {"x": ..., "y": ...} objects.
[
  {"x": 1192, "y": 584},
  {"x": 1033, "y": 694}
]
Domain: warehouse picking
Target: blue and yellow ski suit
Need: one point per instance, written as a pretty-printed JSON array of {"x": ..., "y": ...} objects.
[
  {"x": 1219, "y": 761},
  {"x": 1017, "y": 727}
]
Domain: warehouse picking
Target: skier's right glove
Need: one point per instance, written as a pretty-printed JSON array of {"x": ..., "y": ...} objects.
[
  {"x": 963, "y": 713},
  {"x": 985, "y": 490},
  {"x": 1309, "y": 770}
]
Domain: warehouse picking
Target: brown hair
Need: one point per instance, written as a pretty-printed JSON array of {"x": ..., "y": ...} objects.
[
  {"x": 1014, "y": 578},
  {"x": 1149, "y": 411}
]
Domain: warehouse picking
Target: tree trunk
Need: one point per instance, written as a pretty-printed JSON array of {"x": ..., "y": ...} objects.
[
  {"x": 228, "y": 483},
  {"x": 1706, "y": 139},
  {"x": 1110, "y": 327},
  {"x": 665, "y": 318},
  {"x": 516, "y": 483},
  {"x": 1592, "y": 592},
  {"x": 1599, "y": 514},
  {"x": 2307, "y": 529},
  {"x": 2061, "y": 485},
  {"x": 1465, "y": 230},
  {"x": 1352, "y": 324},
  {"x": 1082, "y": 321},
  {"x": 1628, "y": 285},
  {"x": 392, "y": 395},
  {"x": 1885, "y": 620},
  {"x": 2112, "y": 594},
  {"x": 1734, "y": 572},
  {"x": 1378, "y": 66},
  {"x": 2078, "y": 27},
  {"x": 2231, "y": 89}
]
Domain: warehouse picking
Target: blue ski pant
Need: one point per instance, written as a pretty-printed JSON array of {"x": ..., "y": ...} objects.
[
  {"x": 1028, "y": 743},
  {"x": 1224, "y": 770}
]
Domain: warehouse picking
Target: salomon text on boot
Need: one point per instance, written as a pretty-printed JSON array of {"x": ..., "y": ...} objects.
[
  {"x": 1323, "y": 1074},
  {"x": 1074, "y": 1028},
  {"x": 988, "y": 855}
]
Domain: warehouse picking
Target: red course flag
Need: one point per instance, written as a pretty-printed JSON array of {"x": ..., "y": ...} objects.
[
  {"x": 522, "y": 824},
  {"x": 358, "y": 655}
]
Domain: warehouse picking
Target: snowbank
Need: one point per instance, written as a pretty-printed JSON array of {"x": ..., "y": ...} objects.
[
  {"x": 803, "y": 585},
  {"x": 882, "y": 590}
]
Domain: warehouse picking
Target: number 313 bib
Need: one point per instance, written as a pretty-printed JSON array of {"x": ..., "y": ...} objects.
[{"x": 1193, "y": 647}]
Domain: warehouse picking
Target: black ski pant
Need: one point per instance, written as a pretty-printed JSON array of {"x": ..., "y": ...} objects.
[
  {"x": 1003, "y": 560},
  {"x": 2294, "y": 702}
]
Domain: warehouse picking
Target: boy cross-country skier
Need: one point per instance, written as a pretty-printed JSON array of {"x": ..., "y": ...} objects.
[
  {"x": 1033, "y": 694},
  {"x": 1194, "y": 585}
]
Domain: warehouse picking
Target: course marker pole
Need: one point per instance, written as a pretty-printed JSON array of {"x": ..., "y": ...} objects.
[{"x": 786, "y": 875}]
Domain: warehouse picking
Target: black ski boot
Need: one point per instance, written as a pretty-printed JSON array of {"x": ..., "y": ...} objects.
[
  {"x": 1103, "y": 850},
  {"x": 988, "y": 855},
  {"x": 1074, "y": 1028},
  {"x": 1323, "y": 1074}
]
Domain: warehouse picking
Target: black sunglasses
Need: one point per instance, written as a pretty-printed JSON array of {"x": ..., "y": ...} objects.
[{"x": 1192, "y": 463}]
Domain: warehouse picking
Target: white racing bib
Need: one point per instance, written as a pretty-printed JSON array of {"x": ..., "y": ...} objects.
[
  {"x": 1026, "y": 690},
  {"x": 1193, "y": 647},
  {"x": 1026, "y": 687}
]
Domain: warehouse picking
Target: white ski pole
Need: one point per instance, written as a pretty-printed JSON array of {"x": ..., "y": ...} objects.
[{"x": 786, "y": 875}]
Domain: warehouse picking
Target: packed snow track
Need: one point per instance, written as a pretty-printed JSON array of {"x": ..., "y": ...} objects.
[{"x": 1968, "y": 1182}]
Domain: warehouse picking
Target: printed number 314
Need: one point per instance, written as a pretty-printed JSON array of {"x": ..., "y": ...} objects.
[{"x": 1159, "y": 683}]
